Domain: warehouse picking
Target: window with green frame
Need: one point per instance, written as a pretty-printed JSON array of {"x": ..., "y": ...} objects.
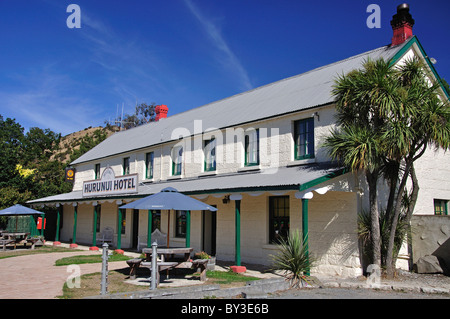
[
  {"x": 97, "y": 171},
  {"x": 177, "y": 160},
  {"x": 126, "y": 166},
  {"x": 278, "y": 218},
  {"x": 209, "y": 150},
  {"x": 440, "y": 207},
  {"x": 304, "y": 139},
  {"x": 251, "y": 147},
  {"x": 180, "y": 223},
  {"x": 149, "y": 165}
]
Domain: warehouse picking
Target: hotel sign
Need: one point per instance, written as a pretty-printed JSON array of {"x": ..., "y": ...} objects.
[{"x": 109, "y": 184}]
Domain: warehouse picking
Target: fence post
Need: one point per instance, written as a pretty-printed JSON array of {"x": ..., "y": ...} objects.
[
  {"x": 154, "y": 266},
  {"x": 104, "y": 281}
]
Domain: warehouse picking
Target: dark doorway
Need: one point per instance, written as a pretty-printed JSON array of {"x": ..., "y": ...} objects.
[
  {"x": 209, "y": 230},
  {"x": 135, "y": 231}
]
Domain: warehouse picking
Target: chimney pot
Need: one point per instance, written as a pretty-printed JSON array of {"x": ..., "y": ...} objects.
[
  {"x": 402, "y": 24},
  {"x": 161, "y": 112}
]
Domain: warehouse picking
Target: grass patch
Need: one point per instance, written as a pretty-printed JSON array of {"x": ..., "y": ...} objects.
[
  {"x": 89, "y": 259},
  {"x": 227, "y": 277}
]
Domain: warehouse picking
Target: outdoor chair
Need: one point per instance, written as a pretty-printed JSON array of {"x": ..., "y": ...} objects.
[
  {"x": 160, "y": 238},
  {"x": 107, "y": 235}
]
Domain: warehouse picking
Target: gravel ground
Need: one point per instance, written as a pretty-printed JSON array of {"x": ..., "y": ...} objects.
[{"x": 405, "y": 285}]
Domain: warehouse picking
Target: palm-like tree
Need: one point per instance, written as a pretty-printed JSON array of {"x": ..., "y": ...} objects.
[
  {"x": 363, "y": 98},
  {"x": 420, "y": 119},
  {"x": 387, "y": 118}
]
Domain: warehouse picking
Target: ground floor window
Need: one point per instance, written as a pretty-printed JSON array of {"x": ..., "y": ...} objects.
[
  {"x": 99, "y": 213},
  {"x": 180, "y": 223},
  {"x": 156, "y": 220},
  {"x": 440, "y": 207},
  {"x": 278, "y": 218},
  {"x": 124, "y": 222}
]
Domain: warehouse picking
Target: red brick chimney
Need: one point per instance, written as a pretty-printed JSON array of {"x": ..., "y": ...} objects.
[
  {"x": 402, "y": 24},
  {"x": 161, "y": 112}
]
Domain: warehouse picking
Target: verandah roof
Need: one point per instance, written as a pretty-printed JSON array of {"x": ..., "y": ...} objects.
[{"x": 287, "y": 178}]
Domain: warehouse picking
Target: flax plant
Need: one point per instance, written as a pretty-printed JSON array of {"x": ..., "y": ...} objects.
[{"x": 293, "y": 258}]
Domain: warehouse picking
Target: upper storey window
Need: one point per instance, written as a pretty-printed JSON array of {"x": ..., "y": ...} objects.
[
  {"x": 177, "y": 160},
  {"x": 304, "y": 139},
  {"x": 126, "y": 166},
  {"x": 210, "y": 155},
  {"x": 252, "y": 148}
]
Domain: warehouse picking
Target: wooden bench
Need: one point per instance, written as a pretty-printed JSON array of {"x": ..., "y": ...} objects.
[
  {"x": 134, "y": 265},
  {"x": 5, "y": 242},
  {"x": 201, "y": 265},
  {"x": 198, "y": 264}
]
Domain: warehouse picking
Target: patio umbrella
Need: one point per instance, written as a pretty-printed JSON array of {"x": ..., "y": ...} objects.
[
  {"x": 19, "y": 210},
  {"x": 169, "y": 198}
]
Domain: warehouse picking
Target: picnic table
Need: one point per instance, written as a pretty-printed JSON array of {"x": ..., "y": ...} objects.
[
  {"x": 170, "y": 259},
  {"x": 10, "y": 237}
]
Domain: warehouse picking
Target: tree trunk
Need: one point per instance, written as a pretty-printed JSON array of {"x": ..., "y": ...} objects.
[
  {"x": 390, "y": 262},
  {"x": 374, "y": 217}
]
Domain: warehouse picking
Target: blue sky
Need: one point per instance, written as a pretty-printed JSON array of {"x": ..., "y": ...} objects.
[{"x": 182, "y": 53}]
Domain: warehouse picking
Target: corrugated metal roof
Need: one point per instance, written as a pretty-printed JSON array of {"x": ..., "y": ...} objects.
[
  {"x": 296, "y": 93},
  {"x": 283, "y": 178}
]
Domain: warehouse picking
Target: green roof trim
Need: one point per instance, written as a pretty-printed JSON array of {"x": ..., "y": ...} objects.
[
  {"x": 402, "y": 51},
  {"x": 322, "y": 179}
]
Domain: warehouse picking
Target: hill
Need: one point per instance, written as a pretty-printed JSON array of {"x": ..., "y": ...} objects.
[{"x": 75, "y": 144}]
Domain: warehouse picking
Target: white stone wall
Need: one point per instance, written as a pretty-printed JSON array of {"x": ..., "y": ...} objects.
[{"x": 276, "y": 150}]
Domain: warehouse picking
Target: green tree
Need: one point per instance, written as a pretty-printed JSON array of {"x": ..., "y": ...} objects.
[
  {"x": 363, "y": 97},
  {"x": 143, "y": 113},
  {"x": 11, "y": 139},
  {"x": 387, "y": 118}
]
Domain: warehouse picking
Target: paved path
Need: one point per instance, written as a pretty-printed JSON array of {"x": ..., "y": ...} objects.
[{"x": 37, "y": 277}]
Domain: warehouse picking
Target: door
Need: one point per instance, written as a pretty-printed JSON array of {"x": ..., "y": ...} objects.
[
  {"x": 209, "y": 227},
  {"x": 135, "y": 231}
]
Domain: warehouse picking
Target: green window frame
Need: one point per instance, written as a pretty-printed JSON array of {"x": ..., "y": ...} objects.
[
  {"x": 177, "y": 160},
  {"x": 149, "y": 158},
  {"x": 440, "y": 207},
  {"x": 251, "y": 148},
  {"x": 304, "y": 139},
  {"x": 180, "y": 224},
  {"x": 279, "y": 219},
  {"x": 97, "y": 171},
  {"x": 209, "y": 151},
  {"x": 126, "y": 166}
]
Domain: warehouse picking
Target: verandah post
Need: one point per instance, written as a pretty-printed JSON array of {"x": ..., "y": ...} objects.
[
  {"x": 305, "y": 230},
  {"x": 119, "y": 229},
  {"x": 237, "y": 200},
  {"x": 94, "y": 230},
  {"x": 58, "y": 222},
  {"x": 74, "y": 236},
  {"x": 188, "y": 228}
]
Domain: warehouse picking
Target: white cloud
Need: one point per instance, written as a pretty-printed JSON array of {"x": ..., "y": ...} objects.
[{"x": 230, "y": 61}]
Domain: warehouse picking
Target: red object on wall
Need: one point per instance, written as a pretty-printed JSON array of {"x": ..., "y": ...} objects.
[{"x": 39, "y": 223}]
